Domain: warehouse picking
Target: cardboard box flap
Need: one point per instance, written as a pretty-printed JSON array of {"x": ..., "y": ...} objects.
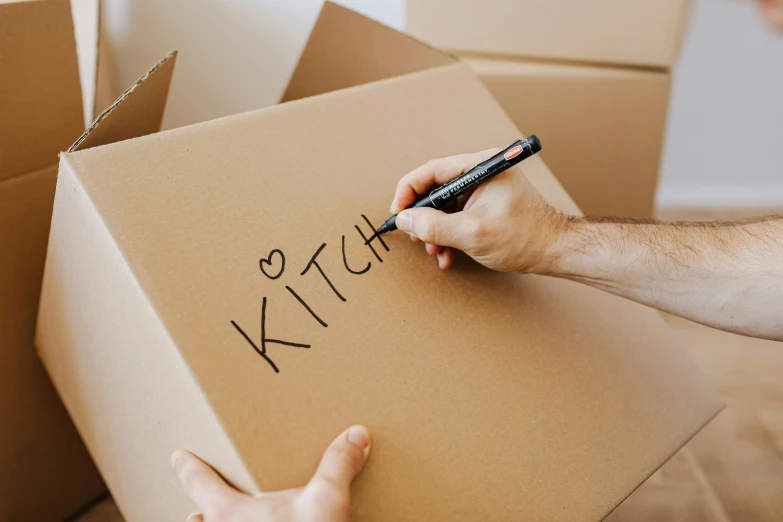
[
  {"x": 138, "y": 112},
  {"x": 490, "y": 396},
  {"x": 347, "y": 49},
  {"x": 40, "y": 94}
]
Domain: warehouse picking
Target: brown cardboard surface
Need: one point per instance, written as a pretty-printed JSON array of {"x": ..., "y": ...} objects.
[
  {"x": 365, "y": 51},
  {"x": 45, "y": 471},
  {"x": 624, "y": 32},
  {"x": 25, "y": 214},
  {"x": 138, "y": 112},
  {"x": 490, "y": 396},
  {"x": 603, "y": 128},
  {"x": 40, "y": 97}
]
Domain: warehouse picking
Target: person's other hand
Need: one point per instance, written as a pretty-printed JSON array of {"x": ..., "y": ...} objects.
[
  {"x": 326, "y": 498},
  {"x": 772, "y": 10},
  {"x": 505, "y": 224}
]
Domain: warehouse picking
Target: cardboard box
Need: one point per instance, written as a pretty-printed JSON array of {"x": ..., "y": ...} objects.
[
  {"x": 603, "y": 127},
  {"x": 186, "y": 304},
  {"x": 620, "y": 32},
  {"x": 46, "y": 473}
]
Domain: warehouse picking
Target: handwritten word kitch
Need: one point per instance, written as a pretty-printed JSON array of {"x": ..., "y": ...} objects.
[{"x": 273, "y": 267}]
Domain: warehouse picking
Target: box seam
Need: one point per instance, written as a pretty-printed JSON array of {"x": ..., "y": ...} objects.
[{"x": 523, "y": 58}]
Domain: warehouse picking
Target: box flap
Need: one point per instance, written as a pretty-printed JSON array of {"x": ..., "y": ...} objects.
[
  {"x": 490, "y": 396},
  {"x": 623, "y": 32},
  {"x": 347, "y": 49},
  {"x": 138, "y": 112},
  {"x": 40, "y": 95}
]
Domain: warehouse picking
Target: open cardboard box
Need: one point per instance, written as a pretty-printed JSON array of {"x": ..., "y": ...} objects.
[
  {"x": 210, "y": 288},
  {"x": 45, "y": 472}
]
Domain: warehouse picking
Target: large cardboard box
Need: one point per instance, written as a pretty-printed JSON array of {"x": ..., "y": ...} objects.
[
  {"x": 619, "y": 32},
  {"x": 603, "y": 127},
  {"x": 46, "y": 473},
  {"x": 211, "y": 288}
]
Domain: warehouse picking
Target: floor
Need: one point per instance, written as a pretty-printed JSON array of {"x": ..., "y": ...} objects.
[{"x": 730, "y": 472}]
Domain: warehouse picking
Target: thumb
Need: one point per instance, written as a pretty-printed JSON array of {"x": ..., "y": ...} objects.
[
  {"x": 436, "y": 227},
  {"x": 343, "y": 459}
]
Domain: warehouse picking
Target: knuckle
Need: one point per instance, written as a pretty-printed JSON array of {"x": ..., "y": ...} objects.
[
  {"x": 430, "y": 164},
  {"x": 429, "y": 231},
  {"x": 477, "y": 234},
  {"x": 188, "y": 473},
  {"x": 325, "y": 497},
  {"x": 353, "y": 457},
  {"x": 325, "y": 489},
  {"x": 218, "y": 513}
]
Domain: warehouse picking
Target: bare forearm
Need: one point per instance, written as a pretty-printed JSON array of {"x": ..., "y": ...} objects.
[{"x": 726, "y": 275}]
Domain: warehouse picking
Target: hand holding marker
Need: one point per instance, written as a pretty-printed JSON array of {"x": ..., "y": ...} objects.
[{"x": 516, "y": 152}]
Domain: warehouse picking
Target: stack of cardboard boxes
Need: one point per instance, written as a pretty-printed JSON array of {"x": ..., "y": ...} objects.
[{"x": 590, "y": 78}]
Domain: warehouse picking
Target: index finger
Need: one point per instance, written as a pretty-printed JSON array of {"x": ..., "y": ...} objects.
[
  {"x": 434, "y": 172},
  {"x": 202, "y": 484}
]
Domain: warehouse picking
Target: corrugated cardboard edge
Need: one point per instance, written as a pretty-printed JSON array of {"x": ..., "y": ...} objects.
[{"x": 138, "y": 112}]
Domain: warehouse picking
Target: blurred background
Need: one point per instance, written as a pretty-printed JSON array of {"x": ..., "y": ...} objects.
[{"x": 725, "y": 128}]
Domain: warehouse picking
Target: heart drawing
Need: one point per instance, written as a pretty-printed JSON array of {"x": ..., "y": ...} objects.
[{"x": 269, "y": 261}]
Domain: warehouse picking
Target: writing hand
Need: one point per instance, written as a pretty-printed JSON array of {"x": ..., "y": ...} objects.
[
  {"x": 504, "y": 224},
  {"x": 326, "y": 498}
]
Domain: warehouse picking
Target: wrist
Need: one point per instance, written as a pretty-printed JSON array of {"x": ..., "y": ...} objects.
[{"x": 555, "y": 244}]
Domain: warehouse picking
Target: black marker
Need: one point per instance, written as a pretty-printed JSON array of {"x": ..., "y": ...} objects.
[{"x": 518, "y": 151}]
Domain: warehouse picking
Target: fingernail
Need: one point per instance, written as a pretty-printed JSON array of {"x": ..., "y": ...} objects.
[
  {"x": 404, "y": 221},
  {"x": 174, "y": 458},
  {"x": 360, "y": 437},
  {"x": 196, "y": 515}
]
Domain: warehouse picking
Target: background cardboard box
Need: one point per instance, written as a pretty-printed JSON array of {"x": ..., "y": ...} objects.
[
  {"x": 602, "y": 127},
  {"x": 562, "y": 399},
  {"x": 45, "y": 471},
  {"x": 617, "y": 32},
  {"x": 571, "y": 71}
]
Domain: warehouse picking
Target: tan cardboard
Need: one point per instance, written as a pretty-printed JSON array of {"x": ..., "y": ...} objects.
[
  {"x": 620, "y": 32},
  {"x": 490, "y": 396},
  {"x": 603, "y": 127},
  {"x": 46, "y": 473},
  {"x": 40, "y": 95}
]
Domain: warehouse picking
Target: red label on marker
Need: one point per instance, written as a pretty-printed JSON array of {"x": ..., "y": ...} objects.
[{"x": 513, "y": 152}]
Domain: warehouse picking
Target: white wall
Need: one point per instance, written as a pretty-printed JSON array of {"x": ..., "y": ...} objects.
[
  {"x": 725, "y": 140},
  {"x": 237, "y": 55},
  {"x": 234, "y": 55}
]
